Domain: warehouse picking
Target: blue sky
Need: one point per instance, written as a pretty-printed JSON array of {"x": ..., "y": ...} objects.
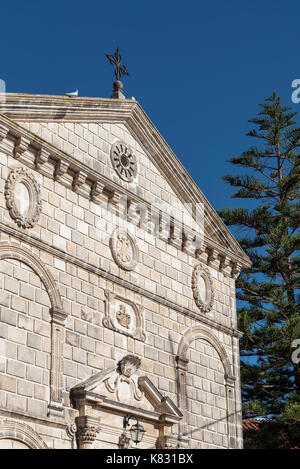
[{"x": 198, "y": 68}]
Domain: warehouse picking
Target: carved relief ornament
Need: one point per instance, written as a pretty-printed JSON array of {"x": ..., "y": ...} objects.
[
  {"x": 124, "y": 316},
  {"x": 124, "y": 249},
  {"x": 123, "y": 161},
  {"x": 125, "y": 373},
  {"x": 202, "y": 287},
  {"x": 22, "y": 194},
  {"x": 129, "y": 364}
]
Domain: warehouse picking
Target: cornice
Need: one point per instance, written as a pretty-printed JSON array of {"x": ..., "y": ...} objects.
[
  {"x": 45, "y": 158},
  {"x": 27, "y": 417},
  {"x": 61, "y": 108},
  {"x": 49, "y": 108},
  {"x": 37, "y": 243},
  {"x": 104, "y": 403}
]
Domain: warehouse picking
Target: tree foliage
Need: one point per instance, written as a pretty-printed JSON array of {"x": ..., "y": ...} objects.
[{"x": 268, "y": 293}]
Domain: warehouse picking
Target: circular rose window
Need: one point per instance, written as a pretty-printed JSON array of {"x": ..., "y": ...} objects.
[
  {"x": 202, "y": 288},
  {"x": 22, "y": 194},
  {"x": 123, "y": 161}
]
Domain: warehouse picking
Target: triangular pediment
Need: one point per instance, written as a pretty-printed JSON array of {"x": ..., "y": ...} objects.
[
  {"x": 112, "y": 387},
  {"x": 75, "y": 126}
]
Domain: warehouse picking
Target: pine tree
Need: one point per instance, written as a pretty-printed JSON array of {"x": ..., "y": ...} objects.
[{"x": 268, "y": 293}]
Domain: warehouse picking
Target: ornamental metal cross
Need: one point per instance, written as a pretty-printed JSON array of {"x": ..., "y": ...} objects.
[{"x": 116, "y": 61}]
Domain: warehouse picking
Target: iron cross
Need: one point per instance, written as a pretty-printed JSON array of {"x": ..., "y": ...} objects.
[{"x": 116, "y": 61}]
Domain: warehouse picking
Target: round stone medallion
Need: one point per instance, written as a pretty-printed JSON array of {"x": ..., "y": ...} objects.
[
  {"x": 124, "y": 249},
  {"x": 22, "y": 194},
  {"x": 202, "y": 288},
  {"x": 123, "y": 161}
]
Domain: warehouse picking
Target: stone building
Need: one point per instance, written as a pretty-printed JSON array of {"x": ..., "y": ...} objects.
[{"x": 117, "y": 284}]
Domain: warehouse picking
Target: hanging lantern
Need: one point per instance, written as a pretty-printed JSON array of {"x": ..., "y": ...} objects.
[{"x": 136, "y": 431}]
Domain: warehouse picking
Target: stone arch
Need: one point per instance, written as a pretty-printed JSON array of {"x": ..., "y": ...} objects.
[
  {"x": 16, "y": 252},
  {"x": 58, "y": 316},
  {"x": 11, "y": 430},
  {"x": 198, "y": 332}
]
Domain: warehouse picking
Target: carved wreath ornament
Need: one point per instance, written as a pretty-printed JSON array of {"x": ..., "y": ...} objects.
[
  {"x": 124, "y": 249},
  {"x": 22, "y": 194},
  {"x": 123, "y": 161},
  {"x": 202, "y": 288}
]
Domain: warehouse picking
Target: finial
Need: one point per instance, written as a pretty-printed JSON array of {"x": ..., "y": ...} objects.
[{"x": 120, "y": 70}]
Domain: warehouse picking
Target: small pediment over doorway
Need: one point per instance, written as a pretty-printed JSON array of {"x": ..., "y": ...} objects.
[{"x": 104, "y": 399}]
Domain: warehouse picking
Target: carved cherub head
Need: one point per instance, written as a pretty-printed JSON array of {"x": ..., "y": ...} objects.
[{"x": 129, "y": 365}]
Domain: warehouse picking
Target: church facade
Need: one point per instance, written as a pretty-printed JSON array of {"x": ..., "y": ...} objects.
[{"x": 117, "y": 285}]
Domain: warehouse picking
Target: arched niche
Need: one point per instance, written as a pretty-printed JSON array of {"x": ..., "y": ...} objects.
[
  {"x": 198, "y": 332},
  {"x": 16, "y": 252}
]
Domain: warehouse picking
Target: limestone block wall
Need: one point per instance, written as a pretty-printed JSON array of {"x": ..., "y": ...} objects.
[
  {"x": 73, "y": 224},
  {"x": 206, "y": 397},
  {"x": 25, "y": 339},
  {"x": 71, "y": 239}
]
